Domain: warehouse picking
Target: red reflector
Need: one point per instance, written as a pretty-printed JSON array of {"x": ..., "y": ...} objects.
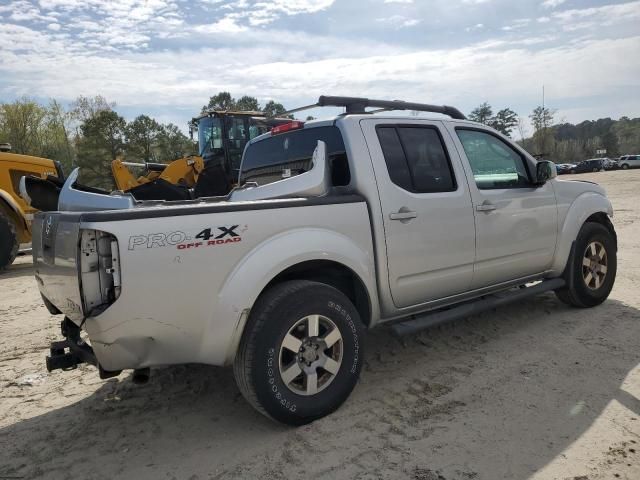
[{"x": 287, "y": 127}]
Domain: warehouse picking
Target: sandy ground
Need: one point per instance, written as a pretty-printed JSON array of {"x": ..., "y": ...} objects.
[{"x": 532, "y": 391}]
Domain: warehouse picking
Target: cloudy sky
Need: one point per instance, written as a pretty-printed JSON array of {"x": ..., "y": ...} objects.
[{"x": 166, "y": 57}]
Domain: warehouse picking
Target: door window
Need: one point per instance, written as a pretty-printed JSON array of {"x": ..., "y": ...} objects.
[
  {"x": 416, "y": 158},
  {"x": 494, "y": 163}
]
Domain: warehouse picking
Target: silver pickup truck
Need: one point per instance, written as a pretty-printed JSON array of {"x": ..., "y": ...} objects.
[{"x": 338, "y": 226}]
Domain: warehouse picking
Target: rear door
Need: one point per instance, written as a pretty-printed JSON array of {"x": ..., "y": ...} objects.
[
  {"x": 516, "y": 222},
  {"x": 426, "y": 208}
]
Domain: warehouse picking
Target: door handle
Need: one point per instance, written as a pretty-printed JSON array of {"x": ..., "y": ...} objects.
[
  {"x": 403, "y": 215},
  {"x": 486, "y": 207}
]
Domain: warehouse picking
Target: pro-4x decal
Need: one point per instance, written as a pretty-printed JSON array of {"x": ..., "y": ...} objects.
[{"x": 206, "y": 237}]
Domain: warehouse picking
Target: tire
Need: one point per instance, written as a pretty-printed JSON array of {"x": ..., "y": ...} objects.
[
  {"x": 8, "y": 241},
  {"x": 578, "y": 292},
  {"x": 283, "y": 316},
  {"x": 625, "y": 166},
  {"x": 572, "y": 171}
]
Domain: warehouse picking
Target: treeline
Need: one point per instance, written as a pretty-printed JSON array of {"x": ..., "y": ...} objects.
[
  {"x": 89, "y": 134},
  {"x": 565, "y": 142}
]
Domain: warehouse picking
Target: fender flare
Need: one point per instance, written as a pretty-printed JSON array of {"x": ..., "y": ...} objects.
[
  {"x": 259, "y": 267},
  {"x": 583, "y": 207}
]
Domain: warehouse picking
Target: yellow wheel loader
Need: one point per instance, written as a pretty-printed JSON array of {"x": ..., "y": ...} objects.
[
  {"x": 16, "y": 213},
  {"x": 222, "y": 136}
]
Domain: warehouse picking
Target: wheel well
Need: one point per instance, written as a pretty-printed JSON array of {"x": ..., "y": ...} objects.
[
  {"x": 331, "y": 273},
  {"x": 603, "y": 219}
]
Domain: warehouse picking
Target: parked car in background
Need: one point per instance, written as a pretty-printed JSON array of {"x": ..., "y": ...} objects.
[
  {"x": 629, "y": 161},
  {"x": 591, "y": 165},
  {"x": 610, "y": 164},
  {"x": 564, "y": 168}
]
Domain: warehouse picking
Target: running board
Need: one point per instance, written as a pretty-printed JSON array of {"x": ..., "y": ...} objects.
[{"x": 487, "y": 302}]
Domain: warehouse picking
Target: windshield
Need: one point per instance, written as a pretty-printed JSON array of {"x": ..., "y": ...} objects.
[{"x": 209, "y": 135}]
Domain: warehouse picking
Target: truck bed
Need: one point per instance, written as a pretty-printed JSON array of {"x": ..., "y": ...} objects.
[{"x": 184, "y": 269}]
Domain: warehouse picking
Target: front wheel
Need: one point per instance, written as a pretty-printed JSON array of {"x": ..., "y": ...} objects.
[
  {"x": 592, "y": 269},
  {"x": 8, "y": 241},
  {"x": 301, "y": 352},
  {"x": 573, "y": 171},
  {"x": 625, "y": 166}
]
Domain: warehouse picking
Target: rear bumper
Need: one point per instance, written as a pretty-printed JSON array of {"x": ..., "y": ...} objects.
[{"x": 67, "y": 354}]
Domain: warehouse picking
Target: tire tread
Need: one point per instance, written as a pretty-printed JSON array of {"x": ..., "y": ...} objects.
[{"x": 13, "y": 253}]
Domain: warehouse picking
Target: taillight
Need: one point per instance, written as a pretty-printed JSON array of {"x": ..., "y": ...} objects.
[
  {"x": 287, "y": 127},
  {"x": 99, "y": 270}
]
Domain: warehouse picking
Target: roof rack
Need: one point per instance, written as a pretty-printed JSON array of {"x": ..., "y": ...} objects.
[{"x": 357, "y": 105}]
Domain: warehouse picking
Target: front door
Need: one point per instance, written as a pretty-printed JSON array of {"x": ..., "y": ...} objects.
[
  {"x": 516, "y": 222},
  {"x": 426, "y": 207}
]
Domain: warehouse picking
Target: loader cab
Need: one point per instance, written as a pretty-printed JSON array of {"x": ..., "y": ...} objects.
[{"x": 222, "y": 136}]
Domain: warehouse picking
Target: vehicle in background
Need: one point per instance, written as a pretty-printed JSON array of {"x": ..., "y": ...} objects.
[
  {"x": 610, "y": 164},
  {"x": 564, "y": 168},
  {"x": 591, "y": 165},
  {"x": 15, "y": 213},
  {"x": 629, "y": 161}
]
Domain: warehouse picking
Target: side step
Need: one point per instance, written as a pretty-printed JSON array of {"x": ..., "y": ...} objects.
[{"x": 437, "y": 317}]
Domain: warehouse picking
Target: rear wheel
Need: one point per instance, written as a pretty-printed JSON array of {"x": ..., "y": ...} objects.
[
  {"x": 301, "y": 352},
  {"x": 592, "y": 272},
  {"x": 8, "y": 241}
]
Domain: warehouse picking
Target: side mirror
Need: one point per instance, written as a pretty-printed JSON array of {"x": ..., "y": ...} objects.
[{"x": 545, "y": 171}]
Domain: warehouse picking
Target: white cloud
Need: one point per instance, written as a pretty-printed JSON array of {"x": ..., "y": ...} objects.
[
  {"x": 603, "y": 16},
  {"x": 399, "y": 21},
  {"x": 552, "y": 3},
  {"x": 121, "y": 49}
]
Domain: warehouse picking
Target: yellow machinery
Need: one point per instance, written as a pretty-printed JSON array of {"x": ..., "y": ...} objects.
[
  {"x": 222, "y": 136},
  {"x": 183, "y": 171},
  {"x": 15, "y": 213}
]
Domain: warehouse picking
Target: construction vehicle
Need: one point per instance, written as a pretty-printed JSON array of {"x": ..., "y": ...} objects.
[
  {"x": 16, "y": 213},
  {"x": 222, "y": 136}
]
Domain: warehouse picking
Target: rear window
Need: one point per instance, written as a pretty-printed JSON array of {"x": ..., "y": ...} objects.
[{"x": 289, "y": 154}]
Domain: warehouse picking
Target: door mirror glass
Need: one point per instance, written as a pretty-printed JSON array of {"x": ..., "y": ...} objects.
[{"x": 545, "y": 171}]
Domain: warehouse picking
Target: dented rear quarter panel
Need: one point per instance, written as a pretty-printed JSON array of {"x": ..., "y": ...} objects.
[{"x": 186, "y": 301}]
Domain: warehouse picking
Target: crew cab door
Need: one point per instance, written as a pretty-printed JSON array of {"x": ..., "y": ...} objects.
[
  {"x": 516, "y": 221},
  {"x": 426, "y": 208}
]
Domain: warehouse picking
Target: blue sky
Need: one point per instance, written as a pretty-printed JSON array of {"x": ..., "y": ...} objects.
[{"x": 166, "y": 57}]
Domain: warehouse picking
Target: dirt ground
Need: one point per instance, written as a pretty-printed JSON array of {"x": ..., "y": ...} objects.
[{"x": 535, "y": 390}]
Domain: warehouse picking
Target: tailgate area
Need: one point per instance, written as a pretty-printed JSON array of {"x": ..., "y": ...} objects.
[{"x": 55, "y": 243}]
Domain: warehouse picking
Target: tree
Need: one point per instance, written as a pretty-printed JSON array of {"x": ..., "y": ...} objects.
[
  {"x": 142, "y": 138},
  {"x": 21, "y": 124},
  {"x": 610, "y": 144},
  {"x": 542, "y": 118},
  {"x": 220, "y": 101},
  {"x": 173, "y": 144},
  {"x": 246, "y": 103},
  {"x": 273, "y": 109},
  {"x": 481, "y": 114},
  {"x": 102, "y": 140},
  {"x": 83, "y": 108},
  {"x": 504, "y": 121}
]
